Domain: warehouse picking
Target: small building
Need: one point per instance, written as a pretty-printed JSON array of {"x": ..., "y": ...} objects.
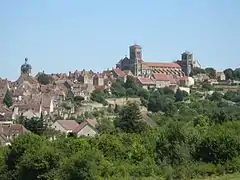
[
  {"x": 65, "y": 126},
  {"x": 87, "y": 128},
  {"x": 220, "y": 76},
  {"x": 163, "y": 80},
  {"x": 8, "y": 131},
  {"x": 146, "y": 82}
]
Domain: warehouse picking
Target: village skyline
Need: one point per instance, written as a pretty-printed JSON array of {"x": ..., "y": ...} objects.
[{"x": 36, "y": 70}]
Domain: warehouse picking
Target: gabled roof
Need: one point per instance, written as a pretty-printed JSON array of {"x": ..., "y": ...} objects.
[
  {"x": 119, "y": 72},
  {"x": 90, "y": 122},
  {"x": 68, "y": 124},
  {"x": 11, "y": 129}
]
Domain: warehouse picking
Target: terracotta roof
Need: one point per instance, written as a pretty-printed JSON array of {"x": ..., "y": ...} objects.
[
  {"x": 91, "y": 122},
  {"x": 161, "y": 77},
  {"x": 12, "y": 129},
  {"x": 119, "y": 72},
  {"x": 164, "y": 77},
  {"x": 145, "y": 80},
  {"x": 26, "y": 107},
  {"x": 164, "y": 65},
  {"x": 68, "y": 124}
]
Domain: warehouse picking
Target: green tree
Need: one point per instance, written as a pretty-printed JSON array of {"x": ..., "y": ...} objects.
[
  {"x": 143, "y": 93},
  {"x": 82, "y": 166},
  {"x": 42, "y": 163},
  {"x": 105, "y": 126},
  {"x": 116, "y": 109},
  {"x": 216, "y": 96},
  {"x": 129, "y": 92},
  {"x": 22, "y": 144},
  {"x": 8, "y": 101},
  {"x": 70, "y": 95},
  {"x": 118, "y": 89},
  {"x": 196, "y": 71},
  {"x": 179, "y": 95},
  {"x": 211, "y": 72},
  {"x": 44, "y": 79},
  {"x": 131, "y": 83},
  {"x": 130, "y": 119},
  {"x": 207, "y": 86},
  {"x": 35, "y": 125},
  {"x": 228, "y": 73},
  {"x": 98, "y": 96},
  {"x": 236, "y": 74}
]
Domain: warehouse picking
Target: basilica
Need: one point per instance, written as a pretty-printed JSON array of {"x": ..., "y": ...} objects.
[{"x": 139, "y": 67}]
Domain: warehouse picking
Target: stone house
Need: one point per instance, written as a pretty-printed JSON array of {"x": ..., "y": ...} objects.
[
  {"x": 86, "y": 77},
  {"x": 83, "y": 90},
  {"x": 98, "y": 79},
  {"x": 26, "y": 110},
  {"x": 87, "y": 128},
  {"x": 65, "y": 126},
  {"x": 145, "y": 82},
  {"x": 220, "y": 76},
  {"x": 8, "y": 131},
  {"x": 201, "y": 77},
  {"x": 5, "y": 113},
  {"x": 163, "y": 80}
]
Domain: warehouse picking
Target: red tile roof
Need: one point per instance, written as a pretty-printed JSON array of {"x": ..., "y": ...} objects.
[
  {"x": 12, "y": 129},
  {"x": 119, "y": 72},
  {"x": 68, "y": 124},
  {"x": 164, "y": 77},
  {"x": 163, "y": 65},
  {"x": 145, "y": 80},
  {"x": 161, "y": 77}
]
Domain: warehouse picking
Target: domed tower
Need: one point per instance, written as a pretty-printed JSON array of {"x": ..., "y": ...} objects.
[{"x": 26, "y": 68}]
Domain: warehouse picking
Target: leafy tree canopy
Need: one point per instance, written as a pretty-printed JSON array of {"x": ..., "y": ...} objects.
[{"x": 8, "y": 101}]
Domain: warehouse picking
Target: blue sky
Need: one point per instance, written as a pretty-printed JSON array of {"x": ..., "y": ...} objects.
[{"x": 65, "y": 35}]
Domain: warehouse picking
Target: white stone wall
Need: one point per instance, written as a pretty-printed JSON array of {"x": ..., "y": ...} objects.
[{"x": 87, "y": 131}]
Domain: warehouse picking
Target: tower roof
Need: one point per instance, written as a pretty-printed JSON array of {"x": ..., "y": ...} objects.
[
  {"x": 26, "y": 67},
  {"x": 136, "y": 46}
]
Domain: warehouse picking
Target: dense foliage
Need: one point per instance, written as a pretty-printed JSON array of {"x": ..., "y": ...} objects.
[
  {"x": 196, "y": 135},
  {"x": 232, "y": 74},
  {"x": 44, "y": 78}
]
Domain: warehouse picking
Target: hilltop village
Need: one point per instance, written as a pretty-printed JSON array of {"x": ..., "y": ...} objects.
[
  {"x": 63, "y": 100},
  {"x": 138, "y": 120}
]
